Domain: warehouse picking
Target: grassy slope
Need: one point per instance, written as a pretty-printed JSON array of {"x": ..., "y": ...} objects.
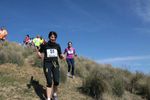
[
  {"x": 14, "y": 81},
  {"x": 16, "y": 84}
]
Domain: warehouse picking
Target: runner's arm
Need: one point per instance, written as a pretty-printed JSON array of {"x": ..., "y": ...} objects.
[
  {"x": 61, "y": 56},
  {"x": 65, "y": 51},
  {"x": 75, "y": 53},
  {"x": 39, "y": 55},
  {"x": 40, "y": 52}
]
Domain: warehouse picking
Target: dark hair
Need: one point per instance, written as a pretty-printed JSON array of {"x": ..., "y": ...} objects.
[
  {"x": 69, "y": 42},
  {"x": 52, "y": 33}
]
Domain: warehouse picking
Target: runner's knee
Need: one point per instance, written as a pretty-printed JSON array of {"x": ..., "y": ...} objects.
[
  {"x": 49, "y": 82},
  {"x": 56, "y": 83}
]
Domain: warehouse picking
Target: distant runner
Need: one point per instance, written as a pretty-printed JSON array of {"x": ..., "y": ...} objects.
[
  {"x": 3, "y": 34},
  {"x": 70, "y": 53},
  {"x": 27, "y": 40},
  {"x": 37, "y": 41},
  {"x": 51, "y": 51},
  {"x": 41, "y": 40}
]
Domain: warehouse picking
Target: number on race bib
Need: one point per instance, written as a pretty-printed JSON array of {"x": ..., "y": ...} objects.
[
  {"x": 52, "y": 53},
  {"x": 70, "y": 51}
]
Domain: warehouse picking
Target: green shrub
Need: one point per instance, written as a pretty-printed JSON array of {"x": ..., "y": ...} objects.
[
  {"x": 83, "y": 67},
  {"x": 15, "y": 58},
  {"x": 3, "y": 57},
  {"x": 63, "y": 70},
  {"x": 79, "y": 68},
  {"x": 118, "y": 87},
  {"x": 11, "y": 56},
  {"x": 14, "y": 53},
  {"x": 148, "y": 89},
  {"x": 94, "y": 85},
  {"x": 81, "y": 71},
  {"x": 63, "y": 77},
  {"x": 37, "y": 62},
  {"x": 144, "y": 88},
  {"x": 6, "y": 43},
  {"x": 134, "y": 81},
  {"x": 27, "y": 52}
]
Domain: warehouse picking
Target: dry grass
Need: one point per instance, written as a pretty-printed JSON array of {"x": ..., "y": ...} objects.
[
  {"x": 126, "y": 96},
  {"x": 27, "y": 82},
  {"x": 14, "y": 81}
]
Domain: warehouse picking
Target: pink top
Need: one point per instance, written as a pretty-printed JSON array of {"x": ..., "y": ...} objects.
[
  {"x": 27, "y": 39},
  {"x": 70, "y": 52}
]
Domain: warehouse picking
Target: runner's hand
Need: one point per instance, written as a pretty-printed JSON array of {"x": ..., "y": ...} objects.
[{"x": 62, "y": 57}]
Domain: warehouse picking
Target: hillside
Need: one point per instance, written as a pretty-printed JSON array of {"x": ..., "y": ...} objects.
[{"x": 22, "y": 78}]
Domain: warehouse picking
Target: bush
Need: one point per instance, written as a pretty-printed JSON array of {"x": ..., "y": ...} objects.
[
  {"x": 79, "y": 68},
  {"x": 81, "y": 71},
  {"x": 11, "y": 56},
  {"x": 118, "y": 87},
  {"x": 94, "y": 85},
  {"x": 144, "y": 88},
  {"x": 6, "y": 43},
  {"x": 15, "y": 58},
  {"x": 134, "y": 82},
  {"x": 14, "y": 53},
  {"x": 63, "y": 70},
  {"x": 3, "y": 57},
  {"x": 83, "y": 67},
  {"x": 63, "y": 77},
  {"x": 27, "y": 52},
  {"x": 37, "y": 62},
  {"x": 148, "y": 89}
]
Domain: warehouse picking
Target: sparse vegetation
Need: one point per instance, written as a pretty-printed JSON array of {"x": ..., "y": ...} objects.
[
  {"x": 92, "y": 81},
  {"x": 118, "y": 87},
  {"x": 94, "y": 85},
  {"x": 11, "y": 53}
]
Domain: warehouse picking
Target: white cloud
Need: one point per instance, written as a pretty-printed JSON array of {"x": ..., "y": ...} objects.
[
  {"x": 121, "y": 59},
  {"x": 142, "y": 8}
]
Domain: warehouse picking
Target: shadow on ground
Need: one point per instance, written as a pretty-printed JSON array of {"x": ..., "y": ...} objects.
[{"x": 38, "y": 88}]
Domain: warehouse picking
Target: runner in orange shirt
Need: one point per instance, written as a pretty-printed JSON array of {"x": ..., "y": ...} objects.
[{"x": 3, "y": 34}]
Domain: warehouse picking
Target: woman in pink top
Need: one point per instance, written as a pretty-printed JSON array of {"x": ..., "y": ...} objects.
[{"x": 70, "y": 53}]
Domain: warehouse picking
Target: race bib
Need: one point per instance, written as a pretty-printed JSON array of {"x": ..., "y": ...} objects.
[
  {"x": 52, "y": 53},
  {"x": 70, "y": 51}
]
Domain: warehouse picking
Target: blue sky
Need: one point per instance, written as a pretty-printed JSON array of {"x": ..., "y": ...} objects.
[{"x": 108, "y": 31}]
